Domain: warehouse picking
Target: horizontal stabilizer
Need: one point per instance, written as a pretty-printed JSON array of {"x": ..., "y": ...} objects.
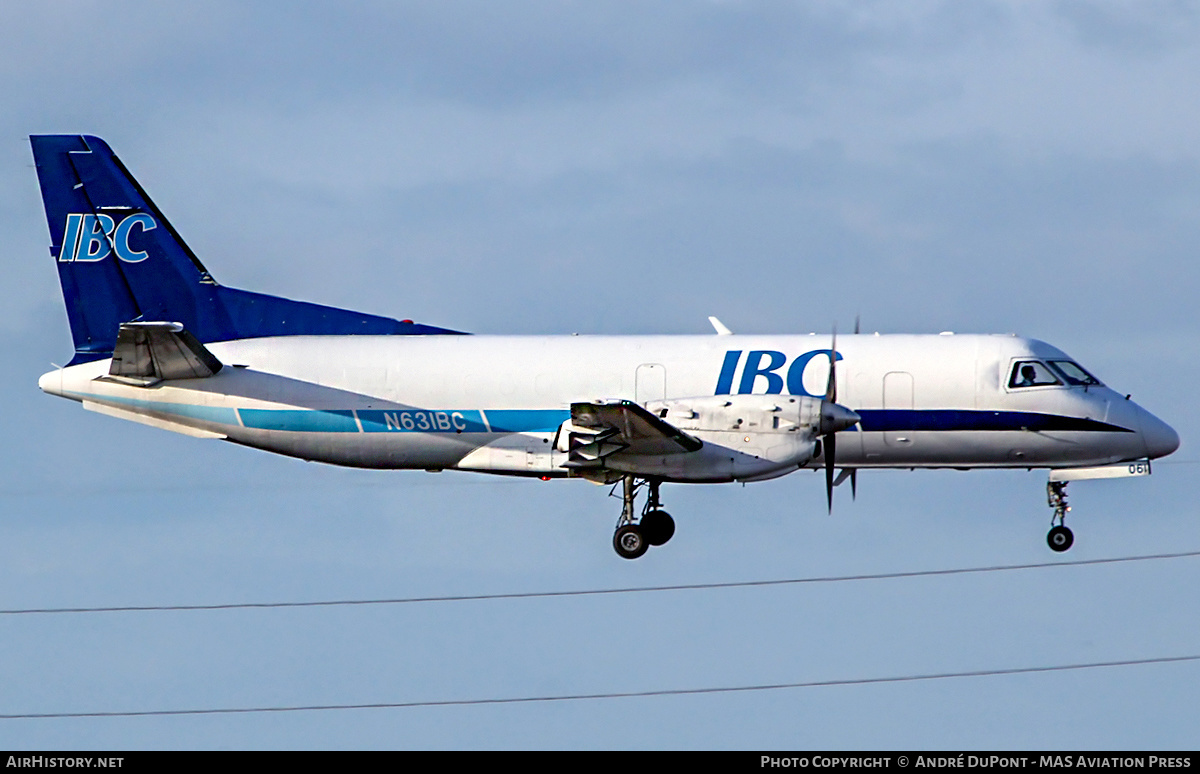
[{"x": 150, "y": 352}]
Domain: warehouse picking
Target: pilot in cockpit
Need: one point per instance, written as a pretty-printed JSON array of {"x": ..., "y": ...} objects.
[{"x": 1028, "y": 376}]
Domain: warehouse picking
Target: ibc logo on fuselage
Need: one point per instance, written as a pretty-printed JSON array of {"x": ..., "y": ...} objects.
[
  {"x": 759, "y": 372},
  {"x": 95, "y": 237}
]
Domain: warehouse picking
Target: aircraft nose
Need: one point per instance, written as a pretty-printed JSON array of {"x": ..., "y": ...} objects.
[{"x": 1160, "y": 438}]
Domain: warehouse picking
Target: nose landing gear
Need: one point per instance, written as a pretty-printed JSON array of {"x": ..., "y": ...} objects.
[
  {"x": 1060, "y": 537},
  {"x": 655, "y": 527}
]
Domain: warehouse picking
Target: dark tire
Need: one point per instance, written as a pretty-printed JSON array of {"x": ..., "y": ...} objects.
[
  {"x": 629, "y": 542},
  {"x": 658, "y": 527},
  {"x": 1060, "y": 539}
]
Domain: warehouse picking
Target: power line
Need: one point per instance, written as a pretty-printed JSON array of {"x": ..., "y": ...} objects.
[
  {"x": 597, "y": 592},
  {"x": 614, "y": 695},
  {"x": 50, "y": 490}
]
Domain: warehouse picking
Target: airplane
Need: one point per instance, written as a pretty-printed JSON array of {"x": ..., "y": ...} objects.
[{"x": 159, "y": 341}]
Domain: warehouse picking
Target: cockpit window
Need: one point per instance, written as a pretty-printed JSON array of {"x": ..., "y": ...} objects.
[
  {"x": 1031, "y": 373},
  {"x": 1073, "y": 373}
]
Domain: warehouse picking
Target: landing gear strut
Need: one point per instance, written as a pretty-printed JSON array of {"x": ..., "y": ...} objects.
[
  {"x": 655, "y": 527},
  {"x": 1060, "y": 537}
]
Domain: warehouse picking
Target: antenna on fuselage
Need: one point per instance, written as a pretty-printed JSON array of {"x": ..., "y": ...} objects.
[{"x": 720, "y": 327}]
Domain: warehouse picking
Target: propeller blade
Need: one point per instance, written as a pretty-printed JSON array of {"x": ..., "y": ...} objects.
[
  {"x": 830, "y": 451},
  {"x": 833, "y": 418},
  {"x": 831, "y": 384},
  {"x": 854, "y": 483}
]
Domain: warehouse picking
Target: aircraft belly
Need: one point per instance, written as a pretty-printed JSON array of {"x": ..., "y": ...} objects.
[
  {"x": 360, "y": 450},
  {"x": 522, "y": 454}
]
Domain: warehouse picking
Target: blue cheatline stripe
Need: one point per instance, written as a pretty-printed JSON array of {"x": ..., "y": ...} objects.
[
  {"x": 526, "y": 420},
  {"x": 300, "y": 420},
  {"x": 224, "y": 416},
  {"x": 888, "y": 420},
  {"x": 421, "y": 421}
]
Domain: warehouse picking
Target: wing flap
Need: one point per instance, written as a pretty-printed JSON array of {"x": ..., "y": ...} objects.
[{"x": 626, "y": 428}]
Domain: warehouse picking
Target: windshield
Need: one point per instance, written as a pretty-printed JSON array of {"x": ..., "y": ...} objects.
[
  {"x": 1031, "y": 373},
  {"x": 1073, "y": 373}
]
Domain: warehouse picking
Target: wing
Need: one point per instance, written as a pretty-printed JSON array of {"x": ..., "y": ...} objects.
[{"x": 622, "y": 427}]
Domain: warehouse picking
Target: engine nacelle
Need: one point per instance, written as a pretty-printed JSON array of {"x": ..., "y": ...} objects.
[
  {"x": 769, "y": 414},
  {"x": 745, "y": 436}
]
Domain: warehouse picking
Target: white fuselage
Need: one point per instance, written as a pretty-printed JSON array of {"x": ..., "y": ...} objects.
[{"x": 496, "y": 403}]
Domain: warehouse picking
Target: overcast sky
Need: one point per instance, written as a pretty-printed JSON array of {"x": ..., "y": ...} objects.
[{"x": 623, "y": 168}]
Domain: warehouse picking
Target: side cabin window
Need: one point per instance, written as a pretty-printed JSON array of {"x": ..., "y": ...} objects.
[{"x": 1031, "y": 373}]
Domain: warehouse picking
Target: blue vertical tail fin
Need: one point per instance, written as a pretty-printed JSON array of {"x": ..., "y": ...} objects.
[{"x": 119, "y": 260}]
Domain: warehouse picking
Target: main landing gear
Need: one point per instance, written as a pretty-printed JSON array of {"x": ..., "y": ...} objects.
[
  {"x": 655, "y": 527},
  {"x": 1060, "y": 538}
]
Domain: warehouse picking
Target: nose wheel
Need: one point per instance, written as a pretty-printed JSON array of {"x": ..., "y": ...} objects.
[
  {"x": 1060, "y": 538},
  {"x": 654, "y": 528}
]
